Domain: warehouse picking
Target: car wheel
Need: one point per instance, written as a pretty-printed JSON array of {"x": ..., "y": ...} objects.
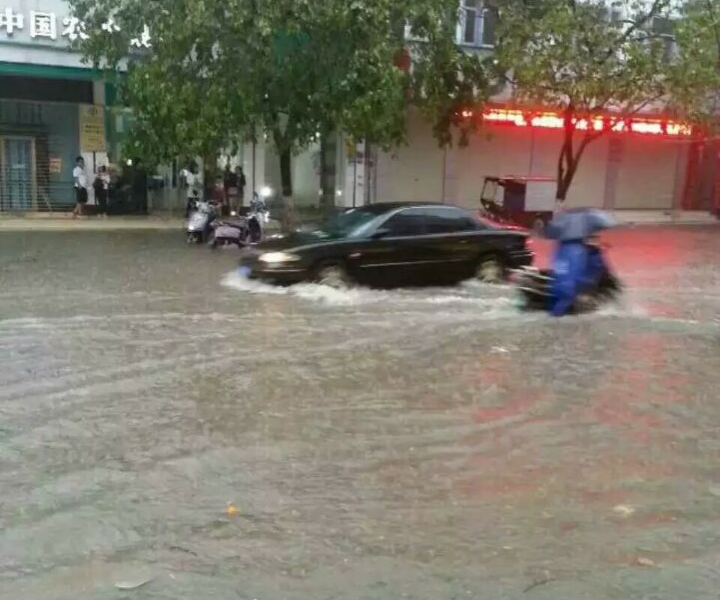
[
  {"x": 333, "y": 275},
  {"x": 490, "y": 270},
  {"x": 191, "y": 238}
]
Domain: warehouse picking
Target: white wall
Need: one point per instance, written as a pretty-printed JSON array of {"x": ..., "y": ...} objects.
[
  {"x": 647, "y": 174},
  {"x": 305, "y": 173},
  {"x": 253, "y": 162},
  {"x": 306, "y": 176},
  {"x": 412, "y": 172},
  {"x": 588, "y": 187},
  {"x": 422, "y": 172},
  {"x": 493, "y": 151},
  {"x": 271, "y": 171}
]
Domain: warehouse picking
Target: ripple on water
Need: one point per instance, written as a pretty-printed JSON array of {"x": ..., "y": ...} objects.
[{"x": 378, "y": 444}]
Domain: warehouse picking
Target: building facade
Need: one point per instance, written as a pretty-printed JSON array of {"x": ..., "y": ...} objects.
[
  {"x": 647, "y": 163},
  {"x": 642, "y": 168},
  {"x": 52, "y": 107}
]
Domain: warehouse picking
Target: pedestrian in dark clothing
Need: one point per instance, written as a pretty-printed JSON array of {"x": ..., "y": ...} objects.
[
  {"x": 230, "y": 184},
  {"x": 241, "y": 183},
  {"x": 101, "y": 185},
  {"x": 230, "y": 188}
]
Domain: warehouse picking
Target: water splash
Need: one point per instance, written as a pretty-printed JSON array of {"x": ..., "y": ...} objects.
[{"x": 467, "y": 294}]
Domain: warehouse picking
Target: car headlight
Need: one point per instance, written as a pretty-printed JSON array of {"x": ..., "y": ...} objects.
[{"x": 273, "y": 258}]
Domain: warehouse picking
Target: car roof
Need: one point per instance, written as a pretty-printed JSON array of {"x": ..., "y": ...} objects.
[{"x": 385, "y": 207}]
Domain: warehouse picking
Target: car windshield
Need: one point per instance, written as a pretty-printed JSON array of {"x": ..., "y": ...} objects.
[{"x": 350, "y": 223}]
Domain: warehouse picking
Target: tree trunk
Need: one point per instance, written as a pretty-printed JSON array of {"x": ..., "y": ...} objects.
[
  {"x": 568, "y": 163},
  {"x": 561, "y": 191},
  {"x": 566, "y": 173},
  {"x": 209, "y": 173},
  {"x": 288, "y": 216},
  {"x": 327, "y": 177},
  {"x": 565, "y": 160}
]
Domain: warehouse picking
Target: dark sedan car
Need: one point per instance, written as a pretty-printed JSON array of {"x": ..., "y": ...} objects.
[{"x": 392, "y": 245}]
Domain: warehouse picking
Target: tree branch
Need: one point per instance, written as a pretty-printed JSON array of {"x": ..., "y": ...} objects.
[
  {"x": 715, "y": 28},
  {"x": 635, "y": 25}
]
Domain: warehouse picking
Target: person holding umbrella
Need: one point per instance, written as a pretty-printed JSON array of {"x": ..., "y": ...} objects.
[{"x": 578, "y": 262}]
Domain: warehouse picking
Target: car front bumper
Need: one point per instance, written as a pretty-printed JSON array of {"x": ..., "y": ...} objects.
[{"x": 281, "y": 274}]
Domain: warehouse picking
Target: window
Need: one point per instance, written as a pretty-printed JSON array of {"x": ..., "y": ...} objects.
[
  {"x": 449, "y": 220},
  {"x": 471, "y": 10},
  {"x": 617, "y": 12},
  {"x": 663, "y": 26},
  {"x": 353, "y": 222},
  {"x": 477, "y": 25},
  {"x": 664, "y": 30},
  {"x": 407, "y": 223},
  {"x": 489, "y": 28}
]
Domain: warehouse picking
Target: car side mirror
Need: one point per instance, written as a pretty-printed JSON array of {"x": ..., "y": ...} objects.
[{"x": 380, "y": 233}]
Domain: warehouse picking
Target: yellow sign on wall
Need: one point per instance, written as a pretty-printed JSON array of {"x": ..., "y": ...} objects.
[{"x": 92, "y": 129}]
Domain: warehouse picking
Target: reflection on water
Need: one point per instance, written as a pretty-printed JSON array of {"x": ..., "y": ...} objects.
[{"x": 395, "y": 444}]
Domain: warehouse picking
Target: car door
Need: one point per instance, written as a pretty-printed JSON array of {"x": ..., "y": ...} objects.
[
  {"x": 397, "y": 254},
  {"x": 451, "y": 242}
]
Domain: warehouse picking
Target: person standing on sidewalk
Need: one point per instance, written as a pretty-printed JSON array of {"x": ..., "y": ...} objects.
[
  {"x": 241, "y": 183},
  {"x": 101, "y": 185},
  {"x": 230, "y": 185},
  {"x": 193, "y": 181},
  {"x": 80, "y": 185}
]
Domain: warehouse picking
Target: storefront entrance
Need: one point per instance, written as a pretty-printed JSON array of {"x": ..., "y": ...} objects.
[{"x": 17, "y": 173}]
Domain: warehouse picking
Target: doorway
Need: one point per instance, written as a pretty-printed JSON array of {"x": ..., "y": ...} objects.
[{"x": 17, "y": 173}]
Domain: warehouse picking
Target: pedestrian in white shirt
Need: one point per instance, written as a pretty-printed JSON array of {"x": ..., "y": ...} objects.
[
  {"x": 193, "y": 180},
  {"x": 80, "y": 184}
]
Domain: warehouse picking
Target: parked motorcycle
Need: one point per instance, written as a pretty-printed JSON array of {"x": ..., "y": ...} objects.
[
  {"x": 229, "y": 233},
  {"x": 242, "y": 231}
]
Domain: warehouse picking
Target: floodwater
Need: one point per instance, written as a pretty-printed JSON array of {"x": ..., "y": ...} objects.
[{"x": 170, "y": 428}]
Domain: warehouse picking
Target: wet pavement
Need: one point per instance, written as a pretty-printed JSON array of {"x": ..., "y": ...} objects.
[{"x": 425, "y": 444}]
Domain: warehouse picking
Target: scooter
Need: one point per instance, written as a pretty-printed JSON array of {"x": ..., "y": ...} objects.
[
  {"x": 244, "y": 231},
  {"x": 229, "y": 233},
  {"x": 202, "y": 215},
  {"x": 534, "y": 287}
]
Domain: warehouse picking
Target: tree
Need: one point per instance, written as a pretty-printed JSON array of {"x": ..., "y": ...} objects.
[
  {"x": 219, "y": 70},
  {"x": 696, "y": 70},
  {"x": 589, "y": 62}
]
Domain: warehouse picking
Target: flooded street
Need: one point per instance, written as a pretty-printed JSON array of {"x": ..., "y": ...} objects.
[{"x": 377, "y": 445}]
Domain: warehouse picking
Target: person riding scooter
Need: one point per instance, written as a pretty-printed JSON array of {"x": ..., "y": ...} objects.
[
  {"x": 578, "y": 263},
  {"x": 578, "y": 267}
]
